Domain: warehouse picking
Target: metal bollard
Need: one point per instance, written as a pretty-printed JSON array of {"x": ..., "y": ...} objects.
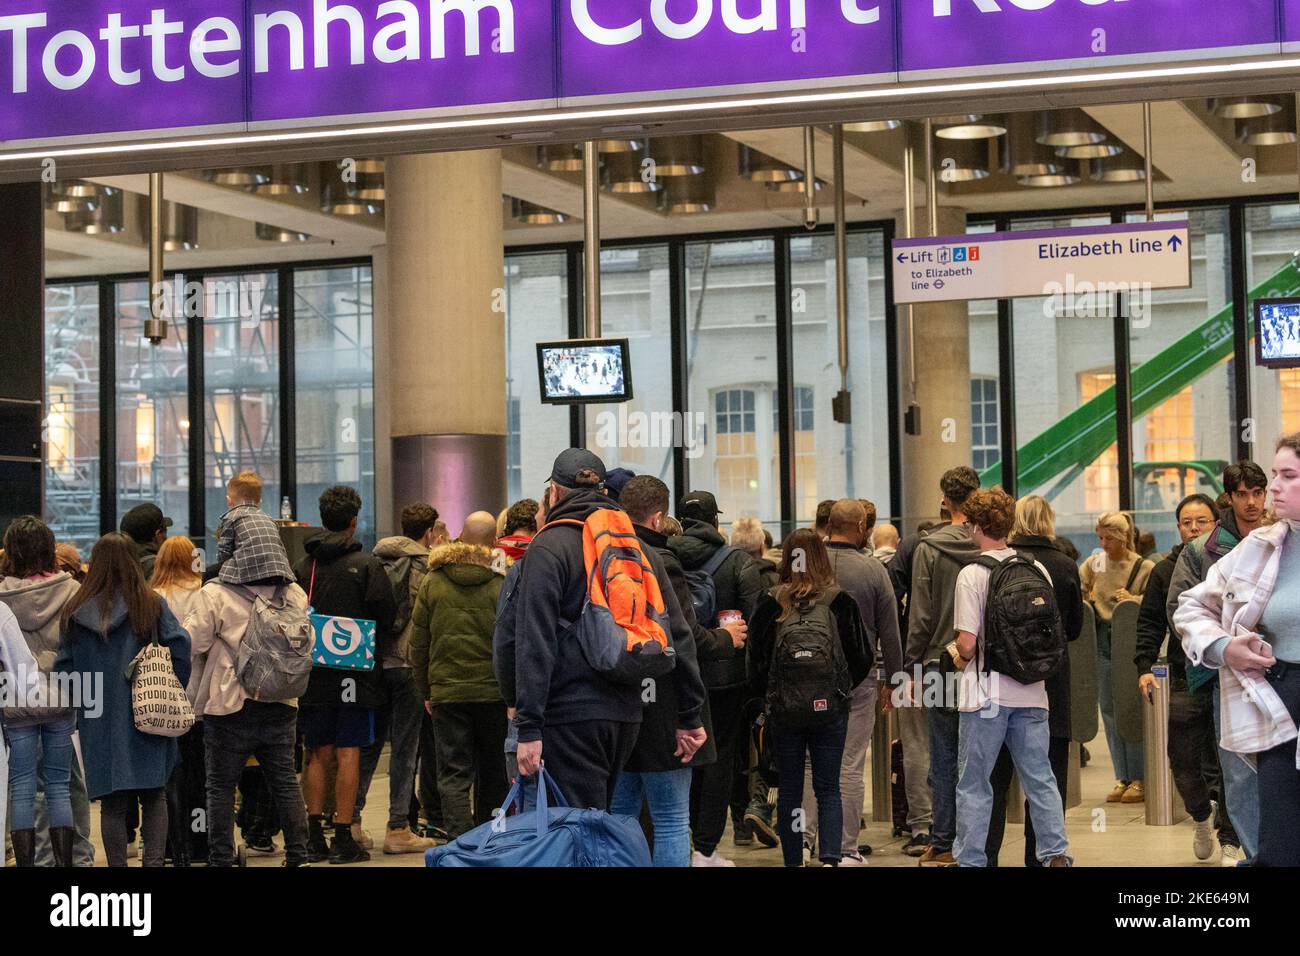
[
  {"x": 1164, "y": 807},
  {"x": 882, "y": 740}
]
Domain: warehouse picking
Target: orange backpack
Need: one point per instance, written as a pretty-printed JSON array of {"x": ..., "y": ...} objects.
[{"x": 623, "y": 628}]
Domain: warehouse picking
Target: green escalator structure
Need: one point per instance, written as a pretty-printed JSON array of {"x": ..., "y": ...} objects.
[{"x": 1082, "y": 436}]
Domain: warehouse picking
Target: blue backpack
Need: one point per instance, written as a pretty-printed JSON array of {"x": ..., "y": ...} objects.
[
  {"x": 704, "y": 592},
  {"x": 557, "y": 835}
]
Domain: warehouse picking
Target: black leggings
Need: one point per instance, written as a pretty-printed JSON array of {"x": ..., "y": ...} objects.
[{"x": 113, "y": 811}]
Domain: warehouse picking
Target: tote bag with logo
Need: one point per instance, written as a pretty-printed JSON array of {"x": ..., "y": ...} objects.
[
  {"x": 344, "y": 643},
  {"x": 158, "y": 701}
]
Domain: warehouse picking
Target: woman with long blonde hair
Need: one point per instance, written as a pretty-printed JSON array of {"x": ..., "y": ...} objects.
[
  {"x": 1116, "y": 573},
  {"x": 177, "y": 576},
  {"x": 789, "y": 666}
]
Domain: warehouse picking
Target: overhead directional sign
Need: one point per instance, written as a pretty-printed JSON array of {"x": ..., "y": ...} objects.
[{"x": 1010, "y": 265}]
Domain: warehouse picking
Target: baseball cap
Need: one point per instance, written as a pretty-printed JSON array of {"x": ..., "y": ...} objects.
[
  {"x": 700, "y": 505},
  {"x": 617, "y": 480},
  {"x": 144, "y": 521},
  {"x": 570, "y": 462}
]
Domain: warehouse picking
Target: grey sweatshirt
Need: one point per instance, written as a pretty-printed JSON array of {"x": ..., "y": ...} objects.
[
  {"x": 865, "y": 578},
  {"x": 939, "y": 559},
  {"x": 37, "y": 604}
]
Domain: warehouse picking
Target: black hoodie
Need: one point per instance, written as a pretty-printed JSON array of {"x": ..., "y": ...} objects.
[
  {"x": 345, "y": 581},
  {"x": 738, "y": 585},
  {"x": 553, "y": 683}
]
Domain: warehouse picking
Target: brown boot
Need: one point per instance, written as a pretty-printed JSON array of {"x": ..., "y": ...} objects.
[
  {"x": 61, "y": 840},
  {"x": 402, "y": 840},
  {"x": 24, "y": 847}
]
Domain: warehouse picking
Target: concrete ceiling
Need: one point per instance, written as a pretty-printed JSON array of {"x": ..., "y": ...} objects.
[{"x": 1196, "y": 155}]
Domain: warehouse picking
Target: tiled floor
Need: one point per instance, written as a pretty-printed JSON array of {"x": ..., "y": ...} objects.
[{"x": 1101, "y": 834}]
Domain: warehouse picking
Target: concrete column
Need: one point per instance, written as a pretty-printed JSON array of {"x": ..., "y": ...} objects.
[
  {"x": 446, "y": 333},
  {"x": 942, "y": 389},
  {"x": 22, "y": 329}
]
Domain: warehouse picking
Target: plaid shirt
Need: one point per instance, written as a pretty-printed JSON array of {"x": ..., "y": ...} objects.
[
  {"x": 1230, "y": 602},
  {"x": 249, "y": 547}
]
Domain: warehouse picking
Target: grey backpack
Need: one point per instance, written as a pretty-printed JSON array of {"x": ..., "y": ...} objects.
[{"x": 273, "y": 662}]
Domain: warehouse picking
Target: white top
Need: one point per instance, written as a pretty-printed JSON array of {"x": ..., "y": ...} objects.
[{"x": 976, "y": 689}]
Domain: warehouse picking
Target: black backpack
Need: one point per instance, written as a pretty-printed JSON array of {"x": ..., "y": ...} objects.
[
  {"x": 1023, "y": 636},
  {"x": 704, "y": 592},
  {"x": 808, "y": 683}
]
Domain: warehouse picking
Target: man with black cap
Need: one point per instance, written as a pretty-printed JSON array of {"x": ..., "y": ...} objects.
[
  {"x": 147, "y": 526},
  {"x": 737, "y": 586},
  {"x": 581, "y": 724}
]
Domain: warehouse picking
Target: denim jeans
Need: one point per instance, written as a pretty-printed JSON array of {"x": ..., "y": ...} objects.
[
  {"x": 1025, "y": 732},
  {"x": 471, "y": 762},
  {"x": 399, "y": 721},
  {"x": 826, "y": 748},
  {"x": 1241, "y": 790},
  {"x": 853, "y": 768},
  {"x": 83, "y": 851},
  {"x": 51, "y": 742},
  {"x": 268, "y": 732},
  {"x": 944, "y": 731},
  {"x": 668, "y": 794},
  {"x": 1127, "y": 759}
]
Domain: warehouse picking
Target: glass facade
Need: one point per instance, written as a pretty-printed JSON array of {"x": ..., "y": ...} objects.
[
  {"x": 71, "y": 425},
  {"x": 834, "y": 460},
  {"x": 334, "y": 376},
  {"x": 241, "y": 386},
  {"x": 537, "y": 292},
  {"x": 152, "y": 415},
  {"x": 242, "y": 373},
  {"x": 1184, "y": 428},
  {"x": 731, "y": 375},
  {"x": 635, "y": 304}
]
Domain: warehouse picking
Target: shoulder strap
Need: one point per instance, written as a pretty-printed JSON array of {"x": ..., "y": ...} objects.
[
  {"x": 560, "y": 521},
  {"x": 986, "y": 561},
  {"x": 1137, "y": 569},
  {"x": 710, "y": 567},
  {"x": 311, "y": 586}
]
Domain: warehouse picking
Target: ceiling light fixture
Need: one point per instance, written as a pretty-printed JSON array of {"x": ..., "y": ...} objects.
[
  {"x": 982, "y": 127},
  {"x": 1020, "y": 154},
  {"x": 535, "y": 215},
  {"x": 1244, "y": 107}
]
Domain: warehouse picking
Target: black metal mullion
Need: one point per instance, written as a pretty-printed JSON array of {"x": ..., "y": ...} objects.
[
  {"x": 785, "y": 384},
  {"x": 198, "y": 422},
  {"x": 107, "y": 406},
  {"x": 288, "y": 395},
  {"x": 1123, "y": 388},
  {"x": 1124, "y": 403},
  {"x": 1242, "y": 360},
  {"x": 573, "y": 273},
  {"x": 893, "y": 383},
  {"x": 1007, "y": 388},
  {"x": 677, "y": 308}
]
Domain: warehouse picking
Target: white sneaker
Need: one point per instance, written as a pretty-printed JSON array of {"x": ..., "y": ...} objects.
[
  {"x": 1203, "y": 839},
  {"x": 713, "y": 859},
  {"x": 1232, "y": 856},
  {"x": 853, "y": 859}
]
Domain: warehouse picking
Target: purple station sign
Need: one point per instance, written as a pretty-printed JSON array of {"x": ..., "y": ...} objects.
[
  {"x": 80, "y": 69},
  {"x": 612, "y": 47},
  {"x": 956, "y": 36}
]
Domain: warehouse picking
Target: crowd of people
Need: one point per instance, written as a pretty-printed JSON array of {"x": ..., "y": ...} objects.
[{"x": 783, "y": 656}]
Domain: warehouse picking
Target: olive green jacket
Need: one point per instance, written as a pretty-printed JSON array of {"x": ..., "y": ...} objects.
[{"x": 452, "y": 624}]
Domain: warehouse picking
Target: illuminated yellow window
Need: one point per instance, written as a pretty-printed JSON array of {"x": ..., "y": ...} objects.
[
  {"x": 1101, "y": 478},
  {"x": 1289, "y": 381},
  {"x": 1171, "y": 429}
]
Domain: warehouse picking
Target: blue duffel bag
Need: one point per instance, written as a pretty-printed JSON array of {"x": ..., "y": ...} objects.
[{"x": 558, "y": 835}]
